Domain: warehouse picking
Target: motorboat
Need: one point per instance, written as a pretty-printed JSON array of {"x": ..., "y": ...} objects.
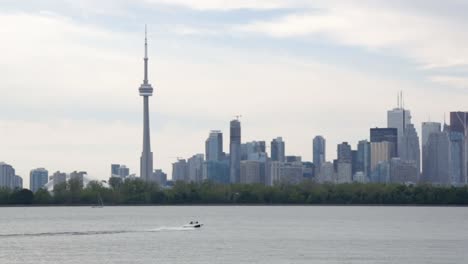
[{"x": 193, "y": 224}]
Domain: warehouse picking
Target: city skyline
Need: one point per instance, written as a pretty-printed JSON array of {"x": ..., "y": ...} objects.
[{"x": 56, "y": 118}]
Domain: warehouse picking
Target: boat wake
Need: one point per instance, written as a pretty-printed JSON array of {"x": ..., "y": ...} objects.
[
  {"x": 90, "y": 233},
  {"x": 167, "y": 228}
]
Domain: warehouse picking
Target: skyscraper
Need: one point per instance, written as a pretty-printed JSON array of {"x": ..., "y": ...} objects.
[
  {"x": 381, "y": 151},
  {"x": 319, "y": 152},
  {"x": 363, "y": 158},
  {"x": 385, "y": 135},
  {"x": 146, "y": 90},
  {"x": 214, "y": 146},
  {"x": 195, "y": 168},
  {"x": 399, "y": 118},
  {"x": 38, "y": 178},
  {"x": 459, "y": 123},
  {"x": 456, "y": 157},
  {"x": 7, "y": 176},
  {"x": 277, "y": 149},
  {"x": 409, "y": 147},
  {"x": 344, "y": 152},
  {"x": 427, "y": 129},
  {"x": 436, "y": 165},
  {"x": 180, "y": 170},
  {"x": 235, "y": 151}
]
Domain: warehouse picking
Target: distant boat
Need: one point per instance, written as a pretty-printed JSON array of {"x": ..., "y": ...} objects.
[
  {"x": 193, "y": 224},
  {"x": 100, "y": 203}
]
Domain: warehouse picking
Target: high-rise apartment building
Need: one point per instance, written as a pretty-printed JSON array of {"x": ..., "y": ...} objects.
[
  {"x": 278, "y": 152},
  {"x": 318, "y": 152},
  {"x": 38, "y": 178},
  {"x": 214, "y": 146},
  {"x": 8, "y": 178},
  {"x": 180, "y": 170},
  {"x": 235, "y": 151},
  {"x": 195, "y": 168},
  {"x": 251, "y": 172}
]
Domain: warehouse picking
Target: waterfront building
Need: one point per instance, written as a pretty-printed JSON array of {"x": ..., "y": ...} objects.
[
  {"x": 38, "y": 178},
  {"x": 327, "y": 173},
  {"x": 308, "y": 170},
  {"x": 344, "y": 152},
  {"x": 278, "y": 149},
  {"x": 251, "y": 172},
  {"x": 381, "y": 173},
  {"x": 58, "y": 178},
  {"x": 285, "y": 173},
  {"x": 195, "y": 168},
  {"x": 344, "y": 172},
  {"x": 253, "y": 147},
  {"x": 217, "y": 171},
  {"x": 363, "y": 158},
  {"x": 115, "y": 170},
  {"x": 318, "y": 152},
  {"x": 456, "y": 158},
  {"x": 17, "y": 182},
  {"x": 360, "y": 177},
  {"x": 399, "y": 118},
  {"x": 159, "y": 177},
  {"x": 293, "y": 159},
  {"x": 385, "y": 135},
  {"x": 409, "y": 147},
  {"x": 235, "y": 151},
  {"x": 427, "y": 129},
  {"x": 180, "y": 170},
  {"x": 214, "y": 146},
  {"x": 7, "y": 176},
  {"x": 459, "y": 123},
  {"x": 403, "y": 171},
  {"x": 381, "y": 151},
  {"x": 436, "y": 163}
]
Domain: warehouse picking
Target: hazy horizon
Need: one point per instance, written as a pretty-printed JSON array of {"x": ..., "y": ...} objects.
[{"x": 296, "y": 69}]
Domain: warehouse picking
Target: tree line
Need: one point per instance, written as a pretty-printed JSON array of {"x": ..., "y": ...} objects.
[{"x": 138, "y": 192}]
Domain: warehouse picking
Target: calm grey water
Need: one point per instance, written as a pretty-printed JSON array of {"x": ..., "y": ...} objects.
[{"x": 234, "y": 234}]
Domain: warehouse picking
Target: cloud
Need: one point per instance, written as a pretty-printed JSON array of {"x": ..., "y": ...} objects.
[
  {"x": 453, "y": 81},
  {"x": 431, "y": 41},
  {"x": 224, "y": 4}
]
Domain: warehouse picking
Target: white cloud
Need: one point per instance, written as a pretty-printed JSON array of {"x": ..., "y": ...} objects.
[
  {"x": 432, "y": 41},
  {"x": 225, "y": 4}
]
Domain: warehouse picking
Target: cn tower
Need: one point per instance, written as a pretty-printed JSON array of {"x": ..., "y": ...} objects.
[{"x": 146, "y": 90}]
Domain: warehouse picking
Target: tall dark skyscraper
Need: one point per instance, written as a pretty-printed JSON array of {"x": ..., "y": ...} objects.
[
  {"x": 318, "y": 149},
  {"x": 277, "y": 149},
  {"x": 146, "y": 90},
  {"x": 235, "y": 151},
  {"x": 385, "y": 135}
]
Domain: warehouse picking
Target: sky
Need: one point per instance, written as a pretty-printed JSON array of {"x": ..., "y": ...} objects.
[{"x": 70, "y": 72}]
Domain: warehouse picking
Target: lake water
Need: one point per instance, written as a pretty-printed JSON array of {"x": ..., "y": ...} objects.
[{"x": 234, "y": 234}]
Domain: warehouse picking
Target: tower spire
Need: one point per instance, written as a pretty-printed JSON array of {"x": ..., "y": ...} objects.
[{"x": 145, "y": 81}]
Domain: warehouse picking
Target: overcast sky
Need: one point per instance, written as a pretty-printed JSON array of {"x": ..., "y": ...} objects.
[{"x": 70, "y": 72}]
